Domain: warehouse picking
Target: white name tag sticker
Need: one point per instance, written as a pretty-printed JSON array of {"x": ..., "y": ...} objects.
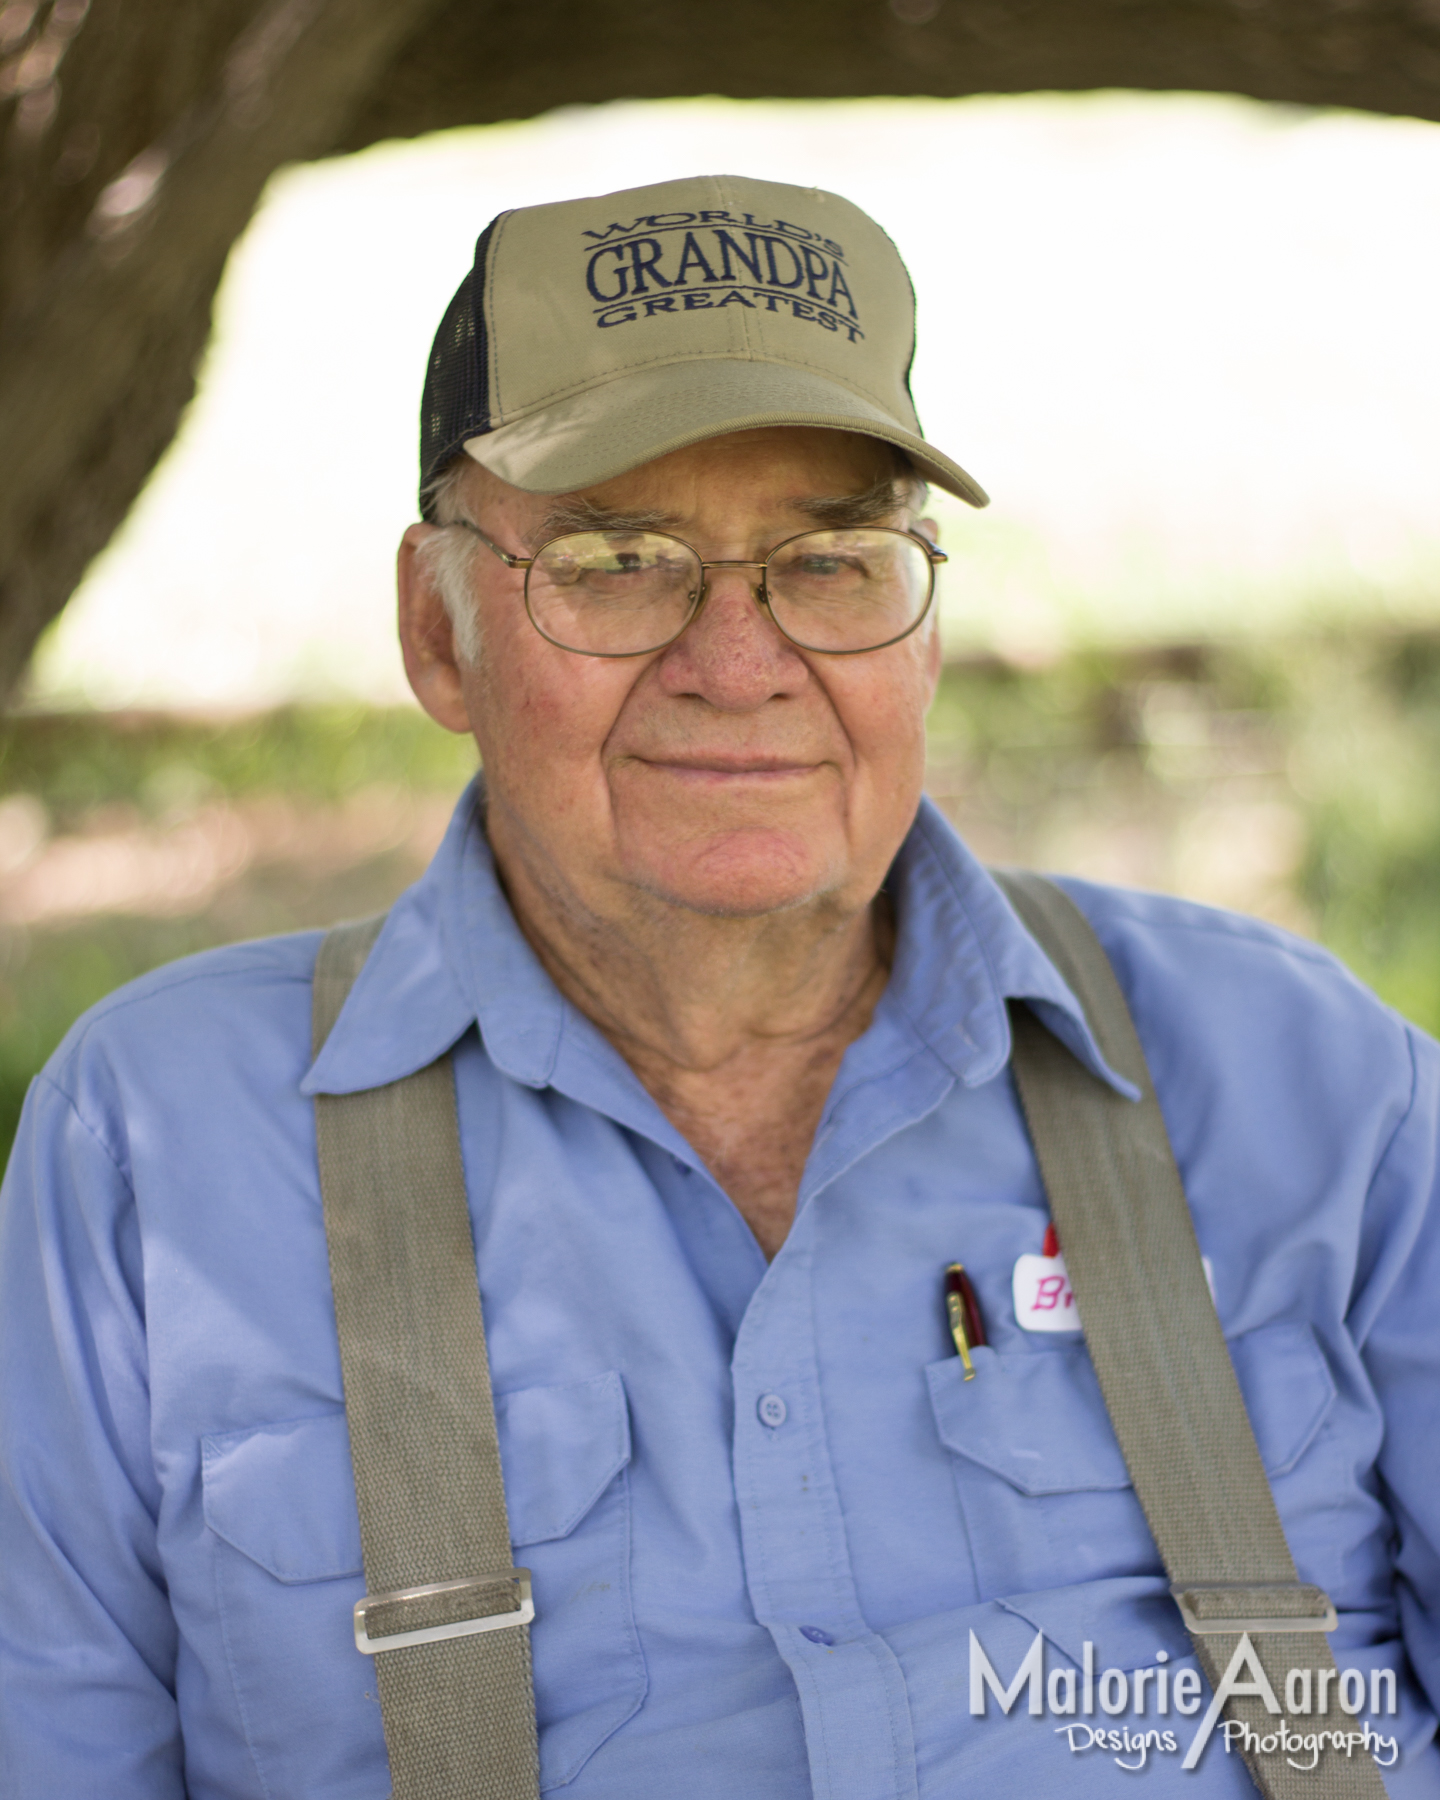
[{"x": 1044, "y": 1299}]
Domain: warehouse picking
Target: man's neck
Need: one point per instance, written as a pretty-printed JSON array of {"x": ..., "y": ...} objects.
[{"x": 735, "y": 1026}]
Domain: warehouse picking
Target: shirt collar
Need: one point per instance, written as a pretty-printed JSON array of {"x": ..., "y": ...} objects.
[
  {"x": 406, "y": 1007},
  {"x": 451, "y": 955},
  {"x": 962, "y": 953}
]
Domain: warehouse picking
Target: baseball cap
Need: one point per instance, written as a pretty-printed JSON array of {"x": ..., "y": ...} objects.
[{"x": 593, "y": 335}]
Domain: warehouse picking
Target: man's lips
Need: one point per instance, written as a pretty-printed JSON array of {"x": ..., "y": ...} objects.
[{"x": 727, "y": 768}]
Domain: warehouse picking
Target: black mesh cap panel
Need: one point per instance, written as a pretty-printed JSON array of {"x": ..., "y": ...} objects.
[{"x": 456, "y": 402}]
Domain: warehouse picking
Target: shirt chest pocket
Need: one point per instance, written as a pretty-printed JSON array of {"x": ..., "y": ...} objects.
[
  {"x": 1044, "y": 1489},
  {"x": 279, "y": 1501}
]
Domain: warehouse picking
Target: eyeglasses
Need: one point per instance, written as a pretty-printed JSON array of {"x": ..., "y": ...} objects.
[{"x": 624, "y": 593}]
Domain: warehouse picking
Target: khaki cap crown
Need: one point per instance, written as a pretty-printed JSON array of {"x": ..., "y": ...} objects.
[{"x": 594, "y": 335}]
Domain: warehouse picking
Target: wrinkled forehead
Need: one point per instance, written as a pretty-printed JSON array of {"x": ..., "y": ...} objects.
[{"x": 781, "y": 477}]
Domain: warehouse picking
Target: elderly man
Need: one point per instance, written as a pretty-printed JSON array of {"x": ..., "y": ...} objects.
[{"x": 726, "y": 1005}]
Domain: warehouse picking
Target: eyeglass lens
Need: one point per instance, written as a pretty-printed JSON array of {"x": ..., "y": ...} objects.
[{"x": 613, "y": 593}]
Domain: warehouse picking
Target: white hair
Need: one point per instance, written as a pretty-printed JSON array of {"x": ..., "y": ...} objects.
[{"x": 449, "y": 558}]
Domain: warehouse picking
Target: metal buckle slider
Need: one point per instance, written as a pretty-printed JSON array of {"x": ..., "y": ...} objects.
[
  {"x": 1213, "y": 1625},
  {"x": 517, "y": 1580}
]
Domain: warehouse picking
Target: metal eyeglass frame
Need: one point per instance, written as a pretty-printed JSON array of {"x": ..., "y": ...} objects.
[{"x": 934, "y": 554}]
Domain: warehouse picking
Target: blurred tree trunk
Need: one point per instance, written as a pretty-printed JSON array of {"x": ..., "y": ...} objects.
[{"x": 137, "y": 135}]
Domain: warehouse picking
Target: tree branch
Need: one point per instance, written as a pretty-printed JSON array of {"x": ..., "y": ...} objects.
[
  {"x": 138, "y": 135},
  {"x": 107, "y": 281}
]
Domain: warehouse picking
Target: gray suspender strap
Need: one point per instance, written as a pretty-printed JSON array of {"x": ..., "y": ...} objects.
[
  {"x": 445, "y": 1615},
  {"x": 1133, "y": 1261}
]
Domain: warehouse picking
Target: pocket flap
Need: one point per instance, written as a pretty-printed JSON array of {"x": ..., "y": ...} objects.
[
  {"x": 561, "y": 1447},
  {"x": 284, "y": 1495},
  {"x": 1039, "y": 1420},
  {"x": 1288, "y": 1390}
]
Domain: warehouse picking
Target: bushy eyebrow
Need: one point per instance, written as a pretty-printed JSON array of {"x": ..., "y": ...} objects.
[
  {"x": 570, "y": 512},
  {"x": 871, "y": 506}
]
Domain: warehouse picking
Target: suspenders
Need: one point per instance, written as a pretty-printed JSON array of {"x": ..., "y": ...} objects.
[
  {"x": 1155, "y": 1341},
  {"x": 446, "y": 1616}
]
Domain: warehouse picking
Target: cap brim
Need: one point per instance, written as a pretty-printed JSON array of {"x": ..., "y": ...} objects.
[{"x": 616, "y": 425}]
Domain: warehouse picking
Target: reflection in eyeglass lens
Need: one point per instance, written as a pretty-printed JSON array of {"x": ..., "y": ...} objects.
[
  {"x": 852, "y": 590},
  {"x": 615, "y": 593},
  {"x": 621, "y": 593}
]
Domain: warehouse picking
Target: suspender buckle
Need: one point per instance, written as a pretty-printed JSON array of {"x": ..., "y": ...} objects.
[
  {"x": 1213, "y": 1608},
  {"x": 441, "y": 1609}
]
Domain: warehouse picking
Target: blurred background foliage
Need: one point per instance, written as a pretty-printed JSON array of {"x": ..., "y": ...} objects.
[
  {"x": 1290, "y": 776},
  {"x": 1186, "y": 341}
]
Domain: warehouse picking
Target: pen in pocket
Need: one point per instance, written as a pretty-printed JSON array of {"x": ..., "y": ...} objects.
[{"x": 962, "y": 1313}]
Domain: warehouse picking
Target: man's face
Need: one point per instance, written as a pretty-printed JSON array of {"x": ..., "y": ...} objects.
[{"x": 729, "y": 773}]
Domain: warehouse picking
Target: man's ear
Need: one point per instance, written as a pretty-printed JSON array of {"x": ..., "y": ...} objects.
[{"x": 427, "y": 638}]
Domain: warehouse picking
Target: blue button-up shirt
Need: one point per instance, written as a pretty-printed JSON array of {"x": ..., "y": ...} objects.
[{"x": 763, "y": 1509}]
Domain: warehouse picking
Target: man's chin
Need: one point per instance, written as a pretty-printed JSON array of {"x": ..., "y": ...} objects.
[{"x": 740, "y": 875}]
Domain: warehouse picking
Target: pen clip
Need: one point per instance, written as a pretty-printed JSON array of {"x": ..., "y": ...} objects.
[{"x": 963, "y": 1316}]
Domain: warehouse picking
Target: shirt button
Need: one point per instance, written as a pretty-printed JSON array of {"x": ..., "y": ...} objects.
[
  {"x": 772, "y": 1410},
  {"x": 816, "y": 1635}
]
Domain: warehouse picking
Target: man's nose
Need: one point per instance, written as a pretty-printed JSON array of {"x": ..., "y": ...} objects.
[{"x": 732, "y": 653}]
